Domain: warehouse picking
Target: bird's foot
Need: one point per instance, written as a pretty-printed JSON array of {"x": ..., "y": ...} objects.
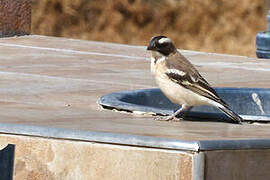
[{"x": 168, "y": 118}]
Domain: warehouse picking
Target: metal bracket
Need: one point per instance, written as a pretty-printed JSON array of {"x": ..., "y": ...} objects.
[{"x": 7, "y": 162}]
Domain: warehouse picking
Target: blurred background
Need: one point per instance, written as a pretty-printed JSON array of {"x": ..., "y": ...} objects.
[{"x": 221, "y": 26}]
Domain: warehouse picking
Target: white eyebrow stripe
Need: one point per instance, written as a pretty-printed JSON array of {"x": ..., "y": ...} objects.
[
  {"x": 163, "y": 40},
  {"x": 176, "y": 71}
]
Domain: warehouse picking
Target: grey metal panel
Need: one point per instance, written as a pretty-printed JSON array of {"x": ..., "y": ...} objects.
[{"x": 263, "y": 41}]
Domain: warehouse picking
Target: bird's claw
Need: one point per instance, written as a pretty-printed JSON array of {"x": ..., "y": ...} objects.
[{"x": 168, "y": 118}]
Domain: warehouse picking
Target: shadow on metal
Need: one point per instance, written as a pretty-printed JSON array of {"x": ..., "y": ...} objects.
[
  {"x": 253, "y": 104},
  {"x": 7, "y": 162}
]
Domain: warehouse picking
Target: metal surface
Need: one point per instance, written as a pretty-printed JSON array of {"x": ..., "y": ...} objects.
[
  {"x": 7, "y": 162},
  {"x": 198, "y": 166},
  {"x": 263, "y": 41},
  {"x": 52, "y": 91},
  {"x": 253, "y": 104},
  {"x": 234, "y": 144}
]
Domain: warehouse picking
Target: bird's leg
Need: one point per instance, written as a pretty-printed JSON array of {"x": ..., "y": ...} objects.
[
  {"x": 173, "y": 116},
  {"x": 187, "y": 111}
]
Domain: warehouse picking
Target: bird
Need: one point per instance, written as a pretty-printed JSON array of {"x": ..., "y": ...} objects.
[{"x": 181, "y": 82}]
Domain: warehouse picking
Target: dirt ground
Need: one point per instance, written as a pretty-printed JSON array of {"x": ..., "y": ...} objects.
[{"x": 221, "y": 26}]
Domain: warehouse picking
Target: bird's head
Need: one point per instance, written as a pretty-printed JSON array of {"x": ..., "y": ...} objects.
[{"x": 161, "y": 44}]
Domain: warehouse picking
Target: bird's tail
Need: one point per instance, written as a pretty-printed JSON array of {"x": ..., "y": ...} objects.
[{"x": 232, "y": 115}]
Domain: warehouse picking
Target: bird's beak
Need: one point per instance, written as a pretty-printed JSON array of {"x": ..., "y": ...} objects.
[
  {"x": 149, "y": 48},
  {"x": 152, "y": 45}
]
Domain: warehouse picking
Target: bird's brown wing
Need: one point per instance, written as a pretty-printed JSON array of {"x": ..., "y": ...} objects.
[{"x": 190, "y": 78}]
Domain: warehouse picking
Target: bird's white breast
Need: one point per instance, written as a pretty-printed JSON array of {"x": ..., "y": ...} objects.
[{"x": 176, "y": 93}]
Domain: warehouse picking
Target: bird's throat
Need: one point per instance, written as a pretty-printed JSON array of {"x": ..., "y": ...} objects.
[{"x": 157, "y": 57}]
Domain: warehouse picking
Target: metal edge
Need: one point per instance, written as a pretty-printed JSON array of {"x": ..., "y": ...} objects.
[
  {"x": 198, "y": 166},
  {"x": 132, "y": 140},
  {"x": 206, "y": 145},
  {"x": 100, "y": 137}
]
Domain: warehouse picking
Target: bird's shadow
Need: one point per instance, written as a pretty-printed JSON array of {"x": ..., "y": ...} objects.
[{"x": 204, "y": 116}]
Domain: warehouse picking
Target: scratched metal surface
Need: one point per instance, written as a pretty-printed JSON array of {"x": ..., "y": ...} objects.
[{"x": 56, "y": 82}]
